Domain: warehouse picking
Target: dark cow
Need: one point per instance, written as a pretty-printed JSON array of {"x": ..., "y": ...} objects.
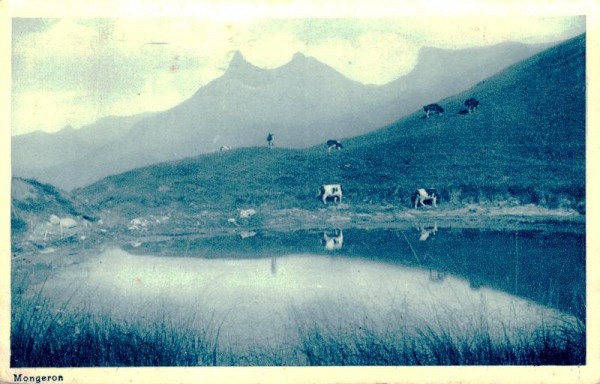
[
  {"x": 333, "y": 144},
  {"x": 425, "y": 196},
  {"x": 270, "y": 140},
  {"x": 471, "y": 104},
  {"x": 433, "y": 109}
]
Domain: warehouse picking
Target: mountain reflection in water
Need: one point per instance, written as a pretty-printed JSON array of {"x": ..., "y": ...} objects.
[
  {"x": 259, "y": 289},
  {"x": 545, "y": 266}
]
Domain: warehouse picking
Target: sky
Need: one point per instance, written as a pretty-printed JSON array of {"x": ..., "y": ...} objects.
[{"x": 71, "y": 71}]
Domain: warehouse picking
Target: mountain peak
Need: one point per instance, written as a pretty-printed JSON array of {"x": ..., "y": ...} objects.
[
  {"x": 299, "y": 56},
  {"x": 239, "y": 64},
  {"x": 237, "y": 59}
]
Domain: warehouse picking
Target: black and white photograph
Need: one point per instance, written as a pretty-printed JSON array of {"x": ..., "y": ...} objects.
[{"x": 276, "y": 191}]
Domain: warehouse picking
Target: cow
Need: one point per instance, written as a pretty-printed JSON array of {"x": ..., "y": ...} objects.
[
  {"x": 331, "y": 191},
  {"x": 270, "y": 140},
  {"x": 334, "y": 241},
  {"x": 333, "y": 144},
  {"x": 224, "y": 148},
  {"x": 423, "y": 196},
  {"x": 471, "y": 105},
  {"x": 433, "y": 109}
]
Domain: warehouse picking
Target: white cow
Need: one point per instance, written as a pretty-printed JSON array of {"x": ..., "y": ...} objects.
[
  {"x": 425, "y": 195},
  {"x": 333, "y": 191},
  {"x": 225, "y": 148},
  {"x": 333, "y": 242}
]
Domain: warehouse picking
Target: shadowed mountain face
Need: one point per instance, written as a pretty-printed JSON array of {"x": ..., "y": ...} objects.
[
  {"x": 303, "y": 102},
  {"x": 444, "y": 72},
  {"x": 50, "y": 157},
  {"x": 526, "y": 140}
]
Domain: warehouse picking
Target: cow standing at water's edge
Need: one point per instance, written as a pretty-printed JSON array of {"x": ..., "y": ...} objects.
[
  {"x": 422, "y": 196},
  {"x": 331, "y": 191}
]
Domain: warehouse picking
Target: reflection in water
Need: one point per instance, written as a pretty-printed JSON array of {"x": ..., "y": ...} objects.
[
  {"x": 426, "y": 231},
  {"x": 333, "y": 240},
  {"x": 247, "y": 234},
  {"x": 546, "y": 266},
  {"x": 261, "y": 306},
  {"x": 437, "y": 276},
  {"x": 260, "y": 288}
]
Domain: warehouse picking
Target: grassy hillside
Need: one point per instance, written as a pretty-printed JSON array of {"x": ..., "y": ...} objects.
[{"x": 525, "y": 142}]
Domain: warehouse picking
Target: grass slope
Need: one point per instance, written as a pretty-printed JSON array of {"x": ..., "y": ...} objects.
[{"x": 526, "y": 141}]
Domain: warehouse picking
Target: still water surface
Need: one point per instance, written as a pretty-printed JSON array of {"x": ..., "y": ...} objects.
[{"x": 261, "y": 288}]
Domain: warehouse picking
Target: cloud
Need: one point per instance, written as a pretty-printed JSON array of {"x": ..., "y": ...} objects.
[{"x": 81, "y": 69}]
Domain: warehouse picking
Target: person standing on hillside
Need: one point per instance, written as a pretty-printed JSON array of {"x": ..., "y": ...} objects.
[{"x": 270, "y": 140}]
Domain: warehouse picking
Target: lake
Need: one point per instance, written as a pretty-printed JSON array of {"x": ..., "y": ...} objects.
[{"x": 255, "y": 292}]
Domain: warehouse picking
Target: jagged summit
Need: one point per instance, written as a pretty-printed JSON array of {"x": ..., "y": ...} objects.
[
  {"x": 239, "y": 64},
  {"x": 298, "y": 67}
]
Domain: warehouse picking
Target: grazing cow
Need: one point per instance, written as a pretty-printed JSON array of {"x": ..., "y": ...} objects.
[
  {"x": 433, "y": 109},
  {"x": 333, "y": 144},
  {"x": 334, "y": 241},
  {"x": 225, "y": 148},
  {"x": 425, "y": 196},
  {"x": 471, "y": 104},
  {"x": 270, "y": 140},
  {"x": 331, "y": 191}
]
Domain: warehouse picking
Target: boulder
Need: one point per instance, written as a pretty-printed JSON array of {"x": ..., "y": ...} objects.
[
  {"x": 54, "y": 220},
  {"x": 68, "y": 222}
]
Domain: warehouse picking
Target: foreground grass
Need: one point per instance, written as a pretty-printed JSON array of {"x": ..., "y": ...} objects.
[
  {"x": 546, "y": 346},
  {"x": 42, "y": 337}
]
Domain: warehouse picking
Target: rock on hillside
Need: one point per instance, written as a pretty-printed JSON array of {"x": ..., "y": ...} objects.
[{"x": 41, "y": 213}]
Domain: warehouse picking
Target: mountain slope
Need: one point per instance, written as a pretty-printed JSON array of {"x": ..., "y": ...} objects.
[
  {"x": 42, "y": 155},
  {"x": 303, "y": 102},
  {"x": 526, "y": 141},
  {"x": 445, "y": 72}
]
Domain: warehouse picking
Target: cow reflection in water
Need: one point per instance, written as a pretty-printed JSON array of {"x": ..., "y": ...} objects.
[
  {"x": 426, "y": 231},
  {"x": 475, "y": 283},
  {"x": 437, "y": 276},
  {"x": 333, "y": 241}
]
